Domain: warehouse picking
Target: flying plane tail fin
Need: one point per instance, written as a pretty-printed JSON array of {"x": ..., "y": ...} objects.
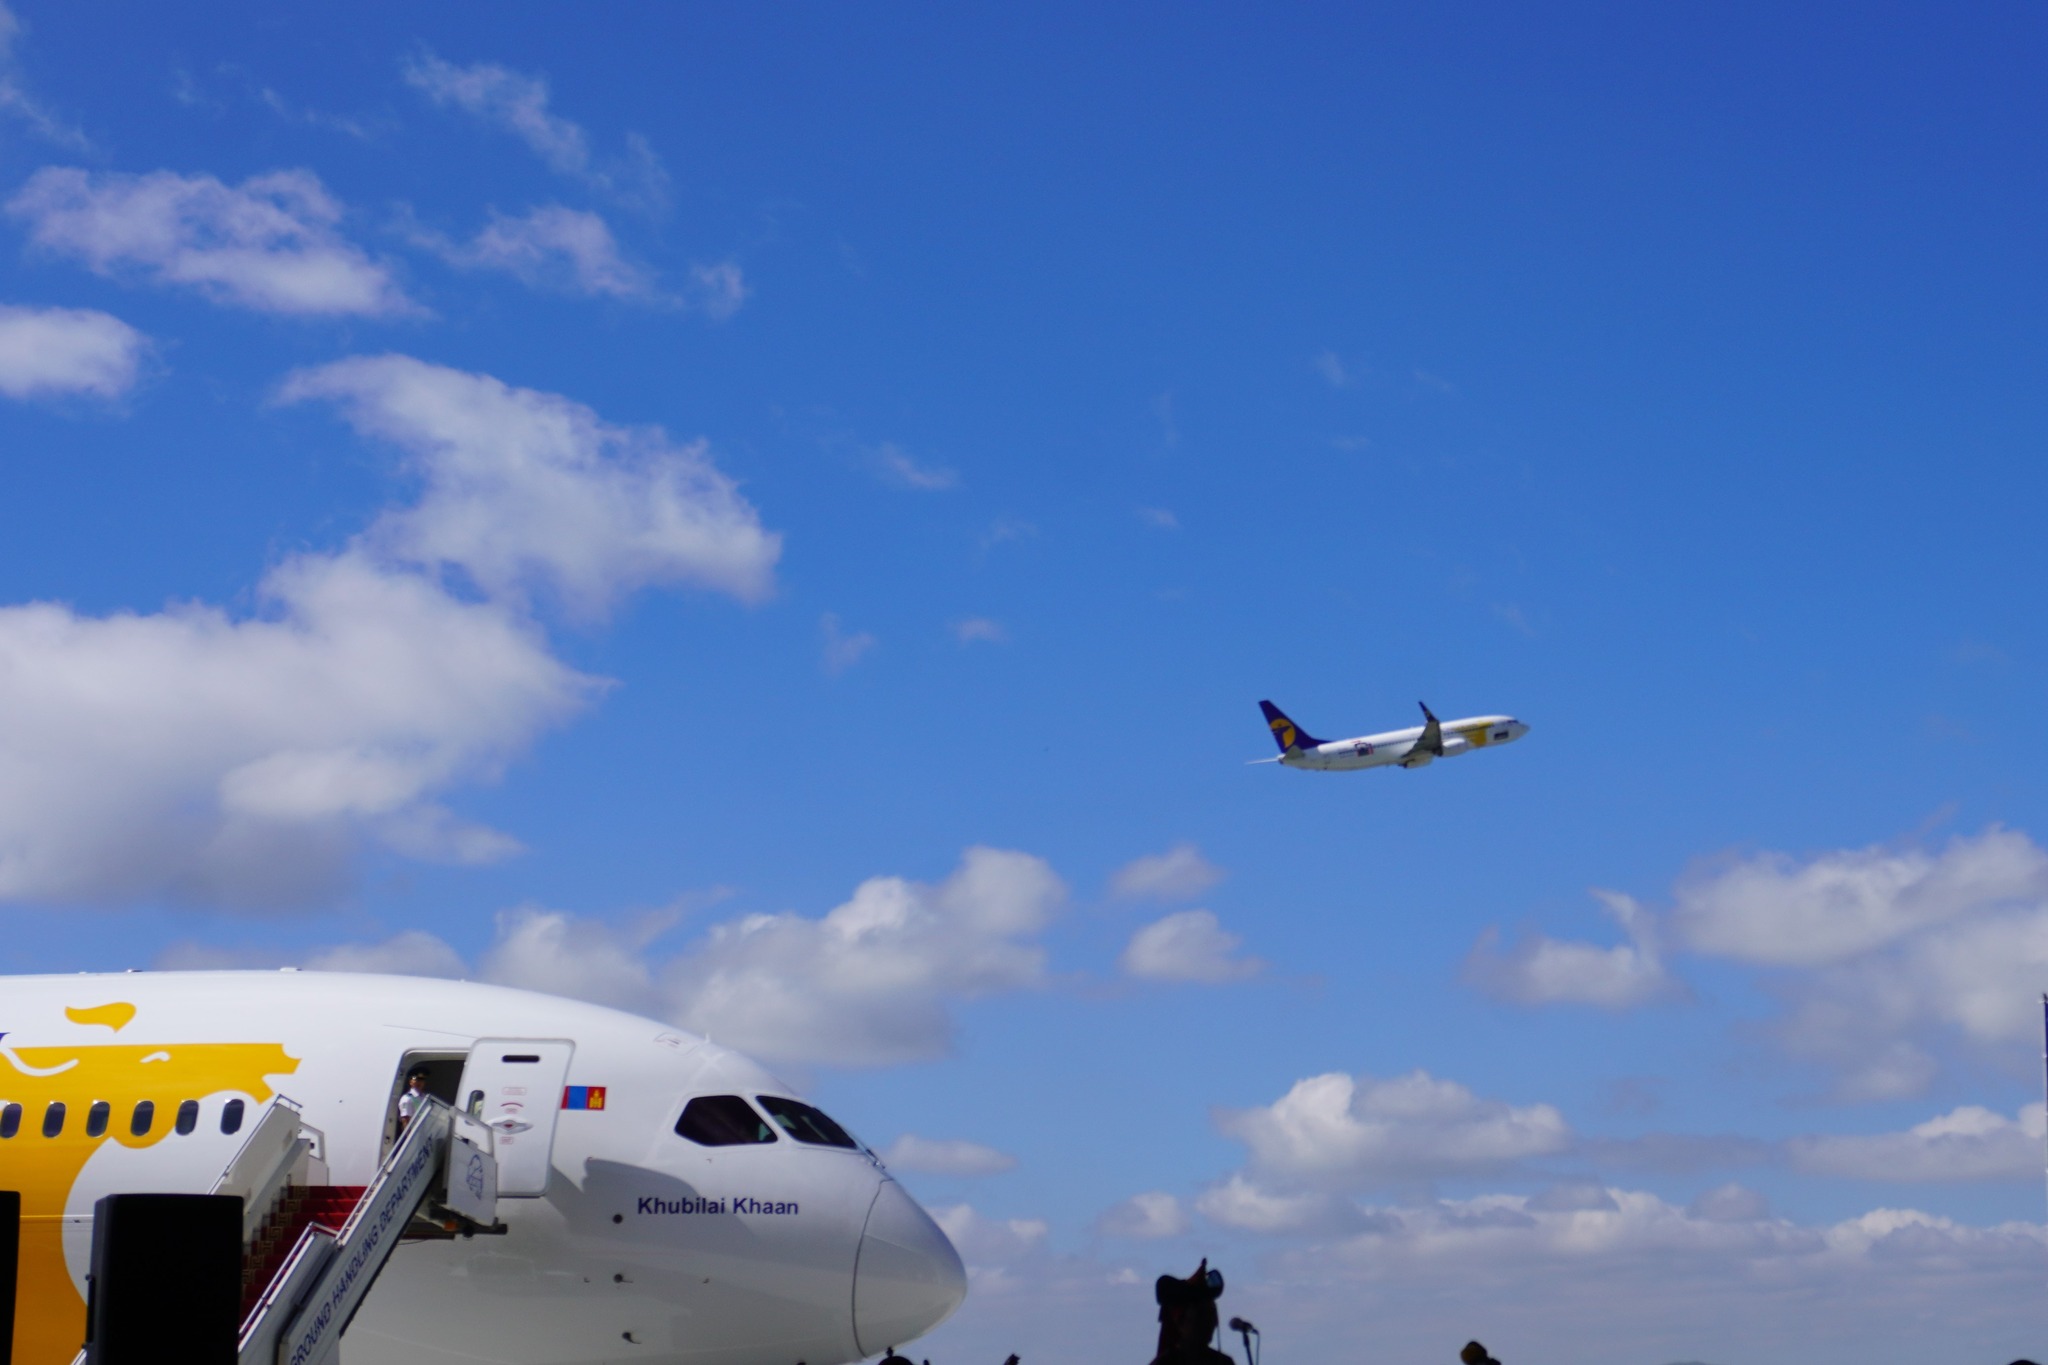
[{"x": 1286, "y": 733}]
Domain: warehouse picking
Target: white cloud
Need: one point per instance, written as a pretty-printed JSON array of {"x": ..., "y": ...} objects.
[
  {"x": 1773, "y": 911},
  {"x": 1145, "y": 1216},
  {"x": 946, "y": 1156},
  {"x": 524, "y": 489},
  {"x": 1159, "y": 518},
  {"x": 1331, "y": 367},
  {"x": 872, "y": 981},
  {"x": 550, "y": 247},
  {"x": 1189, "y": 945},
  {"x": 1572, "y": 1196},
  {"x": 519, "y": 104},
  {"x": 1180, "y": 873},
  {"x": 1730, "y": 1203},
  {"x": 1884, "y": 1021},
  {"x": 1729, "y": 1227},
  {"x": 48, "y": 351},
  {"x": 1004, "y": 530},
  {"x": 1545, "y": 971},
  {"x": 982, "y": 1239},
  {"x": 1337, "y": 1131},
  {"x": 269, "y": 243},
  {"x": 843, "y": 651},
  {"x": 980, "y": 629},
  {"x": 515, "y": 102},
  {"x": 16, "y": 100},
  {"x": 411, "y": 953},
  {"x": 197, "y": 755},
  {"x": 545, "y": 950},
  {"x": 1889, "y": 962},
  {"x": 1527, "y": 1277},
  {"x": 202, "y": 756},
  {"x": 719, "y": 289},
  {"x": 1969, "y": 1143},
  {"x": 1242, "y": 1204},
  {"x": 1889, "y": 959},
  {"x": 894, "y": 465},
  {"x": 360, "y": 129}
]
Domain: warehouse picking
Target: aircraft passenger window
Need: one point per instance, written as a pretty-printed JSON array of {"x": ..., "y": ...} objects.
[
  {"x": 231, "y": 1117},
  {"x": 143, "y": 1119},
  {"x": 806, "y": 1124},
  {"x": 53, "y": 1119},
  {"x": 722, "y": 1121},
  {"x": 188, "y": 1117},
  {"x": 96, "y": 1118},
  {"x": 10, "y": 1121}
]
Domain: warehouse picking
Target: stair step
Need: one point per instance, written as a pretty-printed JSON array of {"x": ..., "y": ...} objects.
[{"x": 300, "y": 1208}]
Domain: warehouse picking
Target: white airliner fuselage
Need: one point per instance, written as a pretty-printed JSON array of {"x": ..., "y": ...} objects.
[
  {"x": 754, "y": 1242},
  {"x": 1411, "y": 748}
]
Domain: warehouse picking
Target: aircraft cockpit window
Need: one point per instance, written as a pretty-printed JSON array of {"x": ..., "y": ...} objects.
[
  {"x": 53, "y": 1119},
  {"x": 188, "y": 1117},
  {"x": 143, "y": 1119},
  {"x": 96, "y": 1118},
  {"x": 10, "y": 1121},
  {"x": 722, "y": 1121},
  {"x": 806, "y": 1124},
  {"x": 231, "y": 1117}
]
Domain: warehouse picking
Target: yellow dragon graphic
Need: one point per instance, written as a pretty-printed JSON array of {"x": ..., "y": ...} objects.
[{"x": 50, "y": 1315}]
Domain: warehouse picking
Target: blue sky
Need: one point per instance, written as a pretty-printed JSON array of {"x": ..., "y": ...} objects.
[{"x": 781, "y": 520}]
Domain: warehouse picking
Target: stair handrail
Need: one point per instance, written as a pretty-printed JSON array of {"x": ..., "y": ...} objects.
[
  {"x": 289, "y": 1287},
  {"x": 261, "y": 1168},
  {"x": 365, "y": 1242}
]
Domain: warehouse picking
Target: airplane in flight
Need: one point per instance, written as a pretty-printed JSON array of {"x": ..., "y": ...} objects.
[
  {"x": 1414, "y": 747},
  {"x": 660, "y": 1198}
]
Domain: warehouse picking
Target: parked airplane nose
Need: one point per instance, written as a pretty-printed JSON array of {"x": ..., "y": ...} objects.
[{"x": 908, "y": 1279}]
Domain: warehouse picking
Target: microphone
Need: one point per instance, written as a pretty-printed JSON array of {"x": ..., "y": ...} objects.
[{"x": 1240, "y": 1325}]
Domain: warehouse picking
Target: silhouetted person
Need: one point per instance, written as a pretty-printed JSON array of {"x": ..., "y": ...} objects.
[
  {"x": 1475, "y": 1354},
  {"x": 1187, "y": 1318}
]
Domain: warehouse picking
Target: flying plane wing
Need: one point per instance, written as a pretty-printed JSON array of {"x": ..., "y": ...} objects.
[{"x": 1431, "y": 741}]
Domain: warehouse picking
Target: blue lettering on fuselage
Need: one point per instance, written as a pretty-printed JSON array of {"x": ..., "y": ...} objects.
[{"x": 654, "y": 1204}]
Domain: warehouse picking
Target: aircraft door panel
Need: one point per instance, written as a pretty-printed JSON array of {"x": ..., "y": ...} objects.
[{"x": 515, "y": 1086}]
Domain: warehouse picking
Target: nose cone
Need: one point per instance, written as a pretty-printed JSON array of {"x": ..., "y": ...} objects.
[{"x": 908, "y": 1279}]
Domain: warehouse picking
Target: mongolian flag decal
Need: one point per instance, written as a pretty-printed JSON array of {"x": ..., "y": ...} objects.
[{"x": 583, "y": 1097}]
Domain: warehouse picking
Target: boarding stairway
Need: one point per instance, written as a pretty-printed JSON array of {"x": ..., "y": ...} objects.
[{"x": 311, "y": 1250}]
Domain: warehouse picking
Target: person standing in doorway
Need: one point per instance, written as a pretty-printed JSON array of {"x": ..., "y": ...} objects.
[{"x": 409, "y": 1102}]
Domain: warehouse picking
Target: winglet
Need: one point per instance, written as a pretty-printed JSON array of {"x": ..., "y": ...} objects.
[
  {"x": 1286, "y": 733},
  {"x": 1427, "y": 714}
]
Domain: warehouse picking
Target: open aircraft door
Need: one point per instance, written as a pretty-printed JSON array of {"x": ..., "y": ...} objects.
[{"x": 515, "y": 1086}]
